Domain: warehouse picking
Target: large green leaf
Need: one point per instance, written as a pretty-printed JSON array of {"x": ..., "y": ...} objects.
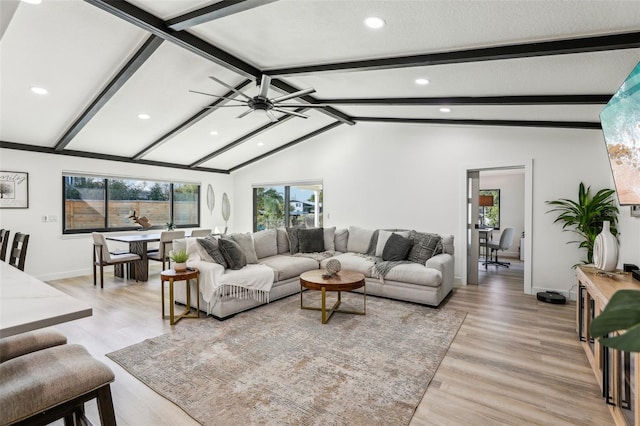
[{"x": 621, "y": 314}]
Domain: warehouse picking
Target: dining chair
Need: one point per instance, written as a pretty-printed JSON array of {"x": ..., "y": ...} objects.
[
  {"x": 4, "y": 243},
  {"x": 166, "y": 244},
  {"x": 18, "y": 253},
  {"x": 102, "y": 257},
  {"x": 200, "y": 232}
]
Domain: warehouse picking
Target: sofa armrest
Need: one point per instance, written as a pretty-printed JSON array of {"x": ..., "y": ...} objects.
[{"x": 443, "y": 262}]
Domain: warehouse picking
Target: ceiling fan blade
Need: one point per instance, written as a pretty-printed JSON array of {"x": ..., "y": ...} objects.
[
  {"x": 301, "y": 105},
  {"x": 244, "y": 114},
  {"x": 264, "y": 85},
  {"x": 229, "y": 87},
  {"x": 294, "y": 95},
  {"x": 225, "y": 106},
  {"x": 216, "y": 96},
  {"x": 297, "y": 114},
  {"x": 272, "y": 117}
]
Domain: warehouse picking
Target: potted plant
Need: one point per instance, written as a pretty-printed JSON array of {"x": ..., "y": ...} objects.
[
  {"x": 180, "y": 258},
  {"x": 585, "y": 217},
  {"x": 170, "y": 226}
]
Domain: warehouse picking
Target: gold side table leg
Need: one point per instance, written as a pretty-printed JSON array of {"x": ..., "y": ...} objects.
[
  {"x": 162, "y": 290},
  {"x": 198, "y": 293},
  {"x": 324, "y": 306},
  {"x": 171, "y": 302}
]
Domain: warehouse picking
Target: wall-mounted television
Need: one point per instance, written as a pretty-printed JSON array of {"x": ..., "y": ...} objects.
[{"x": 620, "y": 121}]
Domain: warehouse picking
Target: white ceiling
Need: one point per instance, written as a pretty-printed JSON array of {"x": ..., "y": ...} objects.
[{"x": 77, "y": 50}]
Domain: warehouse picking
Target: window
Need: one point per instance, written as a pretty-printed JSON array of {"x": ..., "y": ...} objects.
[
  {"x": 490, "y": 213},
  {"x": 94, "y": 203},
  {"x": 294, "y": 205}
]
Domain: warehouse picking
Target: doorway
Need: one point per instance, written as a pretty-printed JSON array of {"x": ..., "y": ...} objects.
[{"x": 506, "y": 203}]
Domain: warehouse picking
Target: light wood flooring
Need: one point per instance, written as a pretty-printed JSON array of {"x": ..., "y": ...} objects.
[{"x": 514, "y": 361}]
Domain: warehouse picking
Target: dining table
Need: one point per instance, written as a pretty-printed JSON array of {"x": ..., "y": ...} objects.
[
  {"x": 27, "y": 303},
  {"x": 138, "y": 244}
]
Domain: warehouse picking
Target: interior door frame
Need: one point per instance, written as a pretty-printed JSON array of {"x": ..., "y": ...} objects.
[{"x": 527, "y": 165}]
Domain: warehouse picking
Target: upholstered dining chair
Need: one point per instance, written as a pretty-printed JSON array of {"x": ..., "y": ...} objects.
[
  {"x": 166, "y": 244},
  {"x": 102, "y": 257},
  {"x": 200, "y": 232},
  {"x": 506, "y": 238},
  {"x": 4, "y": 243},
  {"x": 18, "y": 253}
]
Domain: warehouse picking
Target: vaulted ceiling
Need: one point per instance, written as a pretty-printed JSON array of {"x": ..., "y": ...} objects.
[{"x": 104, "y": 62}]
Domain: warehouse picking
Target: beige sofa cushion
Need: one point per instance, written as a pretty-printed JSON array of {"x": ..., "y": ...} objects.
[
  {"x": 265, "y": 243},
  {"x": 359, "y": 239},
  {"x": 413, "y": 273},
  {"x": 341, "y": 237},
  {"x": 286, "y": 267},
  {"x": 353, "y": 262}
]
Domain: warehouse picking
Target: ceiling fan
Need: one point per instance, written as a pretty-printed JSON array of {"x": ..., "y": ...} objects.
[{"x": 261, "y": 102}]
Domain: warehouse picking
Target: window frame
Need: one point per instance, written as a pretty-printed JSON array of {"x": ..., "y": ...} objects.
[
  {"x": 134, "y": 226},
  {"x": 286, "y": 200},
  {"x": 495, "y": 192}
]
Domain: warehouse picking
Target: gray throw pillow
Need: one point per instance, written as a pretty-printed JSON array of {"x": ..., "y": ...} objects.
[
  {"x": 424, "y": 246},
  {"x": 294, "y": 245},
  {"x": 311, "y": 240},
  {"x": 245, "y": 241},
  {"x": 396, "y": 248},
  {"x": 232, "y": 253},
  {"x": 211, "y": 246},
  {"x": 359, "y": 239}
]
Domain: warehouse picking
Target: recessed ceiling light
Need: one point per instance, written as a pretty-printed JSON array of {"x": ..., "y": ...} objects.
[
  {"x": 213, "y": 133},
  {"x": 445, "y": 109},
  {"x": 39, "y": 90},
  {"x": 422, "y": 81},
  {"x": 144, "y": 116},
  {"x": 260, "y": 143},
  {"x": 32, "y": 1},
  {"x": 374, "y": 22}
]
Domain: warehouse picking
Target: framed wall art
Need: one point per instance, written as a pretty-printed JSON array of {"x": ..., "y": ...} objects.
[{"x": 14, "y": 190}]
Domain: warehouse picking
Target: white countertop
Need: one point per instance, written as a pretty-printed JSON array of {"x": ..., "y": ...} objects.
[{"x": 26, "y": 303}]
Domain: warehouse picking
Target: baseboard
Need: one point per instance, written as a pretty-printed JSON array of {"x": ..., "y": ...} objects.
[{"x": 65, "y": 274}]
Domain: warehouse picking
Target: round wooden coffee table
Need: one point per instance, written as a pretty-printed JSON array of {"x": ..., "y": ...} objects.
[{"x": 342, "y": 281}]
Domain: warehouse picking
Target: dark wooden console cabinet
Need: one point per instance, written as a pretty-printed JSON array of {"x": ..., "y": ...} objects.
[{"x": 618, "y": 373}]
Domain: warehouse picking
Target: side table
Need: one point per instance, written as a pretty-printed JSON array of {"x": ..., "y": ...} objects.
[{"x": 171, "y": 276}]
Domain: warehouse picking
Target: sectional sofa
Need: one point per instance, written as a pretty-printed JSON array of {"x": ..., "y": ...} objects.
[{"x": 275, "y": 259}]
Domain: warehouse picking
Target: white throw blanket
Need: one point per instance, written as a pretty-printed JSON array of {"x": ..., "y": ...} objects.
[{"x": 251, "y": 282}]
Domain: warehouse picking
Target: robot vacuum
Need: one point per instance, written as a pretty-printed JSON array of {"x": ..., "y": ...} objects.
[{"x": 551, "y": 297}]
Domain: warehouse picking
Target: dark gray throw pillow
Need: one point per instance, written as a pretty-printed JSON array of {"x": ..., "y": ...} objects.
[
  {"x": 210, "y": 244},
  {"x": 232, "y": 253},
  {"x": 424, "y": 246},
  {"x": 311, "y": 240},
  {"x": 396, "y": 248},
  {"x": 294, "y": 245}
]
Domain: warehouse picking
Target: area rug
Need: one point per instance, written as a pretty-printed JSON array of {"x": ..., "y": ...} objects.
[{"x": 279, "y": 364}]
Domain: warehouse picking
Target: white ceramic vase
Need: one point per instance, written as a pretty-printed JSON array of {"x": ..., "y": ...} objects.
[
  {"x": 605, "y": 249},
  {"x": 180, "y": 267}
]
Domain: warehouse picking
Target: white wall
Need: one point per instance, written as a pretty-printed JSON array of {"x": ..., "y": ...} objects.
[
  {"x": 511, "y": 186},
  {"x": 50, "y": 254},
  {"x": 381, "y": 175}
]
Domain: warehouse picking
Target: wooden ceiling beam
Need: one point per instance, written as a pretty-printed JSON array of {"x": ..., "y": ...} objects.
[
  {"x": 287, "y": 145},
  {"x": 213, "y": 12},
  {"x": 477, "y": 100},
  {"x": 475, "y": 122},
  {"x": 246, "y": 137},
  {"x": 526, "y": 50},
  {"x": 130, "y": 68},
  {"x": 151, "y": 23},
  {"x": 190, "y": 121}
]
